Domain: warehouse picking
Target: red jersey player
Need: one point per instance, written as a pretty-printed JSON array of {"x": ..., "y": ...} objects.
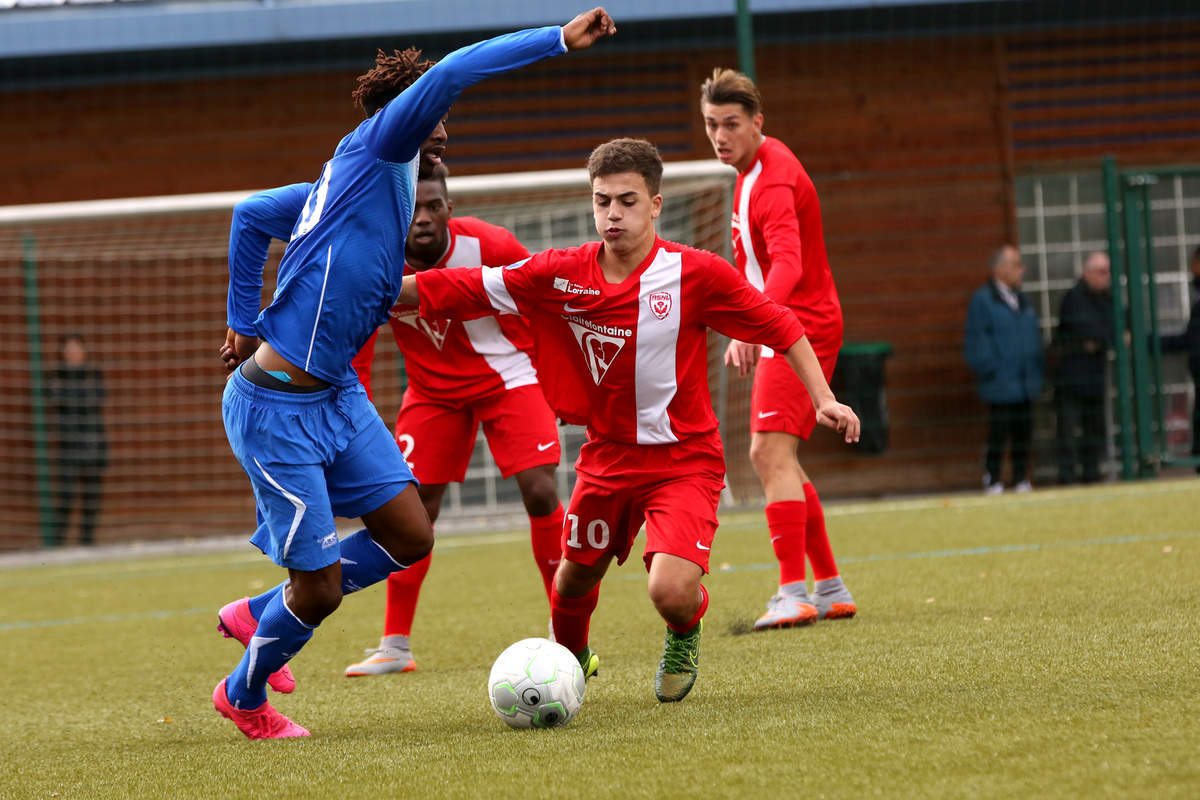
[
  {"x": 462, "y": 375},
  {"x": 779, "y": 247},
  {"x": 624, "y": 322}
]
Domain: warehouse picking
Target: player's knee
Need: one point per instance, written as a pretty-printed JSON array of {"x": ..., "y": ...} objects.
[
  {"x": 314, "y": 600},
  {"x": 575, "y": 580},
  {"x": 540, "y": 499},
  {"x": 673, "y": 598},
  {"x": 539, "y": 491},
  {"x": 771, "y": 462}
]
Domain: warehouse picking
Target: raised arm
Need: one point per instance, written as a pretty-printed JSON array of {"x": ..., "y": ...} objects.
[{"x": 395, "y": 133}]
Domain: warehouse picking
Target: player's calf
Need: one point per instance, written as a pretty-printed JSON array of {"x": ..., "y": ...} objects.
[{"x": 236, "y": 621}]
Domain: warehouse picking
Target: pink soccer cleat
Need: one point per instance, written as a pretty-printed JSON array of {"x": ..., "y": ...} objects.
[
  {"x": 235, "y": 621},
  {"x": 263, "y": 722}
]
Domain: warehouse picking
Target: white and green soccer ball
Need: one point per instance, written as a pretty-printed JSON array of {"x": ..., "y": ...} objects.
[{"x": 536, "y": 683}]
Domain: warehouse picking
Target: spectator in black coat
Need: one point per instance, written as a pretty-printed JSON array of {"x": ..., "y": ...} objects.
[
  {"x": 77, "y": 396},
  {"x": 1189, "y": 341},
  {"x": 1085, "y": 332}
]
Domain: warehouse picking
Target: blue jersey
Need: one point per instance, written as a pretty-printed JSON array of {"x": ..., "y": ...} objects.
[{"x": 342, "y": 270}]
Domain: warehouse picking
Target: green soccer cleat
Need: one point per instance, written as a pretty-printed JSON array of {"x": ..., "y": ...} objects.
[
  {"x": 589, "y": 661},
  {"x": 680, "y": 662}
]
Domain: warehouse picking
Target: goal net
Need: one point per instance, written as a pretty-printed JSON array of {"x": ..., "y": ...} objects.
[{"x": 141, "y": 282}]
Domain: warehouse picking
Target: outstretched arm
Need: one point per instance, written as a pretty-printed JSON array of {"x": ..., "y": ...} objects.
[
  {"x": 830, "y": 412},
  {"x": 395, "y": 133}
]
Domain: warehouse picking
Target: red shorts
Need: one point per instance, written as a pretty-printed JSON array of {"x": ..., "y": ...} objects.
[
  {"x": 779, "y": 401},
  {"x": 673, "y": 488},
  {"x": 437, "y": 438}
]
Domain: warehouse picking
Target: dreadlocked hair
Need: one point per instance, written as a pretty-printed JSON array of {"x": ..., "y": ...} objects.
[{"x": 390, "y": 76}]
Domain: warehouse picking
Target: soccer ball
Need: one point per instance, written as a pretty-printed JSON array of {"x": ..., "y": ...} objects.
[{"x": 536, "y": 683}]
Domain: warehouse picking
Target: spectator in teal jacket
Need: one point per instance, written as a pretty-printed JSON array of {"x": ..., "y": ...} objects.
[{"x": 1003, "y": 348}]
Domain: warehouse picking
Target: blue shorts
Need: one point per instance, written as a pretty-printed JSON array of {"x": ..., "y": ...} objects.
[{"x": 310, "y": 457}]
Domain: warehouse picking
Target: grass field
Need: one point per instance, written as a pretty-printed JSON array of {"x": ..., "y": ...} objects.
[{"x": 1043, "y": 645}]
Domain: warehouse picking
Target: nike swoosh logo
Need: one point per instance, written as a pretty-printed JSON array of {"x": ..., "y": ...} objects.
[
  {"x": 567, "y": 308},
  {"x": 702, "y": 547},
  {"x": 553, "y": 561},
  {"x": 765, "y": 414},
  {"x": 776, "y": 538},
  {"x": 256, "y": 642},
  {"x": 546, "y": 446}
]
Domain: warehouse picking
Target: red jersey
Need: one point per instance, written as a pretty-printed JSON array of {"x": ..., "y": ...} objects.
[
  {"x": 629, "y": 359},
  {"x": 459, "y": 360},
  {"x": 778, "y": 243}
]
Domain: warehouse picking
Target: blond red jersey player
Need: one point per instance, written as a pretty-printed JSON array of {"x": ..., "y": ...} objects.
[
  {"x": 779, "y": 247},
  {"x": 624, "y": 321}
]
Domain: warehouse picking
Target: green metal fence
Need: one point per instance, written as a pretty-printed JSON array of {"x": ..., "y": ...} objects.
[{"x": 1140, "y": 407}]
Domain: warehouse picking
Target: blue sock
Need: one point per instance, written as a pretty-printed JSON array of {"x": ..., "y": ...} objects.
[
  {"x": 280, "y": 636},
  {"x": 259, "y": 604},
  {"x": 364, "y": 562}
]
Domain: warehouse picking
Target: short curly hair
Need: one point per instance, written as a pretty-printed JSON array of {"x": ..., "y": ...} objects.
[
  {"x": 390, "y": 76},
  {"x": 627, "y": 155}
]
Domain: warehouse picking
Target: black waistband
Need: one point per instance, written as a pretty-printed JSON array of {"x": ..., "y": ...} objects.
[{"x": 252, "y": 372}]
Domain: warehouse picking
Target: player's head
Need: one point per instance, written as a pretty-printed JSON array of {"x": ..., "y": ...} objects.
[
  {"x": 626, "y": 175},
  {"x": 732, "y": 111},
  {"x": 429, "y": 233},
  {"x": 1097, "y": 272},
  {"x": 1196, "y": 262},
  {"x": 390, "y": 76},
  {"x": 73, "y": 350},
  {"x": 1006, "y": 266}
]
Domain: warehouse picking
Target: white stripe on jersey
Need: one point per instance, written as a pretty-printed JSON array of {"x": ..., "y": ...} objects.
[
  {"x": 489, "y": 341},
  {"x": 497, "y": 292},
  {"x": 655, "y": 382},
  {"x": 753, "y": 270},
  {"x": 320, "y": 304}
]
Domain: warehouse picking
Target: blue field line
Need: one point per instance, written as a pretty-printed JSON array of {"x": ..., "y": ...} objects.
[
  {"x": 969, "y": 551},
  {"x": 23, "y": 625},
  {"x": 20, "y": 625}
]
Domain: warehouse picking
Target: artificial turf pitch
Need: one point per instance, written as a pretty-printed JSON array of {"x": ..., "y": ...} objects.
[{"x": 1041, "y": 645}]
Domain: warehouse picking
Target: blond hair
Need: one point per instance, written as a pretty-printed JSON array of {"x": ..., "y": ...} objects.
[{"x": 730, "y": 86}]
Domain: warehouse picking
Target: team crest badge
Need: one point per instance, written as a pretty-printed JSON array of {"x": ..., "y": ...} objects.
[
  {"x": 660, "y": 304},
  {"x": 435, "y": 329},
  {"x": 598, "y": 349}
]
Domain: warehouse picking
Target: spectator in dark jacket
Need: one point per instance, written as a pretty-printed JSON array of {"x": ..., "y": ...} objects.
[
  {"x": 1085, "y": 332},
  {"x": 77, "y": 395},
  {"x": 1003, "y": 347},
  {"x": 1189, "y": 341}
]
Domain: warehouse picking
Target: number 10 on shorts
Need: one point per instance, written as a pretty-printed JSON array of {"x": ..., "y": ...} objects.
[{"x": 596, "y": 532}]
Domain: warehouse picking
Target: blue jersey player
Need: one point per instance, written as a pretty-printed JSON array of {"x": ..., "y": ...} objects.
[{"x": 295, "y": 414}]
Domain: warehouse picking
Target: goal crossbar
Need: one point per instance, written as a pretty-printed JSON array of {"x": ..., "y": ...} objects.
[{"x": 458, "y": 186}]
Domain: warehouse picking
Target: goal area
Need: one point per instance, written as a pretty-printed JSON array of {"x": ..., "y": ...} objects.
[{"x": 142, "y": 282}]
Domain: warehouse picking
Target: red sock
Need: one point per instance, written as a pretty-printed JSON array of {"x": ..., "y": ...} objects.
[
  {"x": 786, "y": 520},
  {"x": 820, "y": 554},
  {"x": 403, "y": 588},
  {"x": 681, "y": 629},
  {"x": 571, "y": 616},
  {"x": 546, "y": 535}
]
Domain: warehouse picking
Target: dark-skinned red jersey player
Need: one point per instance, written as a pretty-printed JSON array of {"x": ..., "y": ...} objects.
[{"x": 620, "y": 328}]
